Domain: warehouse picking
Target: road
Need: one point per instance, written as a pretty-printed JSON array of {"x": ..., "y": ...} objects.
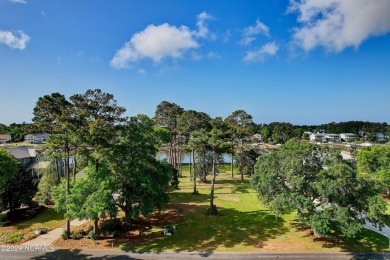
[{"x": 116, "y": 254}]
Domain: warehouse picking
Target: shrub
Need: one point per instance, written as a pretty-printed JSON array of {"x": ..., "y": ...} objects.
[
  {"x": 110, "y": 226},
  {"x": 3, "y": 220},
  {"x": 64, "y": 234},
  {"x": 81, "y": 232},
  {"x": 15, "y": 237},
  {"x": 92, "y": 235}
]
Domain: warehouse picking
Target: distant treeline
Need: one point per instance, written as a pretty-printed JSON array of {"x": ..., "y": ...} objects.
[{"x": 276, "y": 132}]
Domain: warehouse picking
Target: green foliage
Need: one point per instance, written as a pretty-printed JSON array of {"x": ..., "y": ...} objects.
[
  {"x": 139, "y": 179},
  {"x": 8, "y": 167},
  {"x": 45, "y": 185},
  {"x": 3, "y": 219},
  {"x": 14, "y": 238},
  {"x": 64, "y": 235},
  {"x": 18, "y": 190},
  {"x": 294, "y": 178},
  {"x": 111, "y": 227},
  {"x": 92, "y": 235}
]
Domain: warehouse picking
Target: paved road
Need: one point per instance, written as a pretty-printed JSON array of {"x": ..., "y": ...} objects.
[{"x": 116, "y": 255}]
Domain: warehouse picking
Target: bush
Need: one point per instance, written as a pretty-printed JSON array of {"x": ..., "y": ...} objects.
[
  {"x": 110, "y": 226},
  {"x": 41, "y": 230},
  {"x": 3, "y": 220},
  {"x": 15, "y": 237},
  {"x": 64, "y": 235},
  {"x": 76, "y": 235},
  {"x": 81, "y": 232},
  {"x": 92, "y": 235}
]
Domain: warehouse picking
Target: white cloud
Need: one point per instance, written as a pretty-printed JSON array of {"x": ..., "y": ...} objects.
[
  {"x": 141, "y": 72},
  {"x": 15, "y": 40},
  {"x": 18, "y": 1},
  {"x": 268, "y": 49},
  {"x": 338, "y": 24},
  {"x": 251, "y": 31},
  {"x": 157, "y": 42},
  {"x": 203, "y": 30}
]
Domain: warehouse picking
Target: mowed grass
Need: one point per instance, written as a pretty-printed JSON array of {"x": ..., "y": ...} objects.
[
  {"x": 48, "y": 218},
  {"x": 243, "y": 224}
]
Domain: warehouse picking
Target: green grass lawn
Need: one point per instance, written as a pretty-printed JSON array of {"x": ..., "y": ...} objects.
[
  {"x": 47, "y": 218},
  {"x": 243, "y": 225}
]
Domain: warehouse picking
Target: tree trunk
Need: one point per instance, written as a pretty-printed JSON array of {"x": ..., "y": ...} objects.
[
  {"x": 74, "y": 168},
  {"x": 179, "y": 158},
  {"x": 58, "y": 171},
  {"x": 194, "y": 177},
  {"x": 241, "y": 172},
  {"x": 96, "y": 226},
  {"x": 232, "y": 161},
  {"x": 191, "y": 164},
  {"x": 212, "y": 184},
  {"x": 67, "y": 184}
]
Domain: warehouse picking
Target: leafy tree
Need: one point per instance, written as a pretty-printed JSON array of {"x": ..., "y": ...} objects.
[
  {"x": 91, "y": 197},
  {"x": 249, "y": 158},
  {"x": 294, "y": 177},
  {"x": 166, "y": 116},
  {"x": 19, "y": 189},
  {"x": 189, "y": 122},
  {"x": 45, "y": 186},
  {"x": 97, "y": 116},
  {"x": 305, "y": 136},
  {"x": 139, "y": 179},
  {"x": 375, "y": 162},
  {"x": 242, "y": 126},
  {"x": 8, "y": 167},
  {"x": 217, "y": 144},
  {"x": 281, "y": 132}
]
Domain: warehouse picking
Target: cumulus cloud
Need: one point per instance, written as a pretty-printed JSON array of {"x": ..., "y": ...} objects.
[
  {"x": 157, "y": 42},
  {"x": 268, "y": 49},
  {"x": 15, "y": 40},
  {"x": 18, "y": 1},
  {"x": 338, "y": 24},
  {"x": 250, "y": 32}
]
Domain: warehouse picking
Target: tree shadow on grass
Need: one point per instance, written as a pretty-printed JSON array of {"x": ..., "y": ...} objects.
[
  {"x": 203, "y": 233},
  {"x": 238, "y": 186},
  {"x": 364, "y": 241},
  {"x": 184, "y": 197},
  {"x": 45, "y": 215}
]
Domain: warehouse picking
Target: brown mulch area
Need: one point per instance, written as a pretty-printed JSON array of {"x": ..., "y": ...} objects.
[{"x": 170, "y": 216}]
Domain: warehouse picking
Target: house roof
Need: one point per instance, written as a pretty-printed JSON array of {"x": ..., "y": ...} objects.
[
  {"x": 22, "y": 152},
  {"x": 4, "y": 136},
  {"x": 38, "y": 165}
]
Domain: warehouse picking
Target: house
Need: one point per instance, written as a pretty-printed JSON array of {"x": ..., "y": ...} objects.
[
  {"x": 36, "y": 138},
  {"x": 333, "y": 137},
  {"x": 4, "y": 138},
  {"x": 380, "y": 137},
  {"x": 318, "y": 137},
  {"x": 347, "y": 137},
  {"x": 256, "y": 138},
  {"x": 29, "y": 160}
]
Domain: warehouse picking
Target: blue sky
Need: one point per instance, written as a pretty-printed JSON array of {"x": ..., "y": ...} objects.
[{"x": 304, "y": 62}]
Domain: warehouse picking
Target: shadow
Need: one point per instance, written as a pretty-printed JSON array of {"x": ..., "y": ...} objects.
[
  {"x": 364, "y": 241},
  {"x": 45, "y": 215},
  {"x": 79, "y": 254},
  {"x": 198, "y": 232},
  {"x": 237, "y": 185},
  {"x": 364, "y": 256}
]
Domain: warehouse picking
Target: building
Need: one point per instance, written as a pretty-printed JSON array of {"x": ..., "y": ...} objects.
[
  {"x": 380, "y": 137},
  {"x": 317, "y": 137},
  {"x": 4, "y": 138},
  {"x": 333, "y": 137},
  {"x": 29, "y": 160},
  {"x": 36, "y": 138},
  {"x": 347, "y": 137}
]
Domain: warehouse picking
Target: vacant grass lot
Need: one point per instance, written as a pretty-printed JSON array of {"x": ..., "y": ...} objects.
[{"x": 243, "y": 224}]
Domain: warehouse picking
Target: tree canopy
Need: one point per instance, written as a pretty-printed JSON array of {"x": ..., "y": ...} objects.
[{"x": 320, "y": 186}]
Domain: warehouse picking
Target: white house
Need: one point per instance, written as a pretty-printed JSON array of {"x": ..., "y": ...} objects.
[
  {"x": 347, "y": 136},
  {"x": 318, "y": 137},
  {"x": 36, "y": 138},
  {"x": 380, "y": 137},
  {"x": 4, "y": 138},
  {"x": 333, "y": 137}
]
